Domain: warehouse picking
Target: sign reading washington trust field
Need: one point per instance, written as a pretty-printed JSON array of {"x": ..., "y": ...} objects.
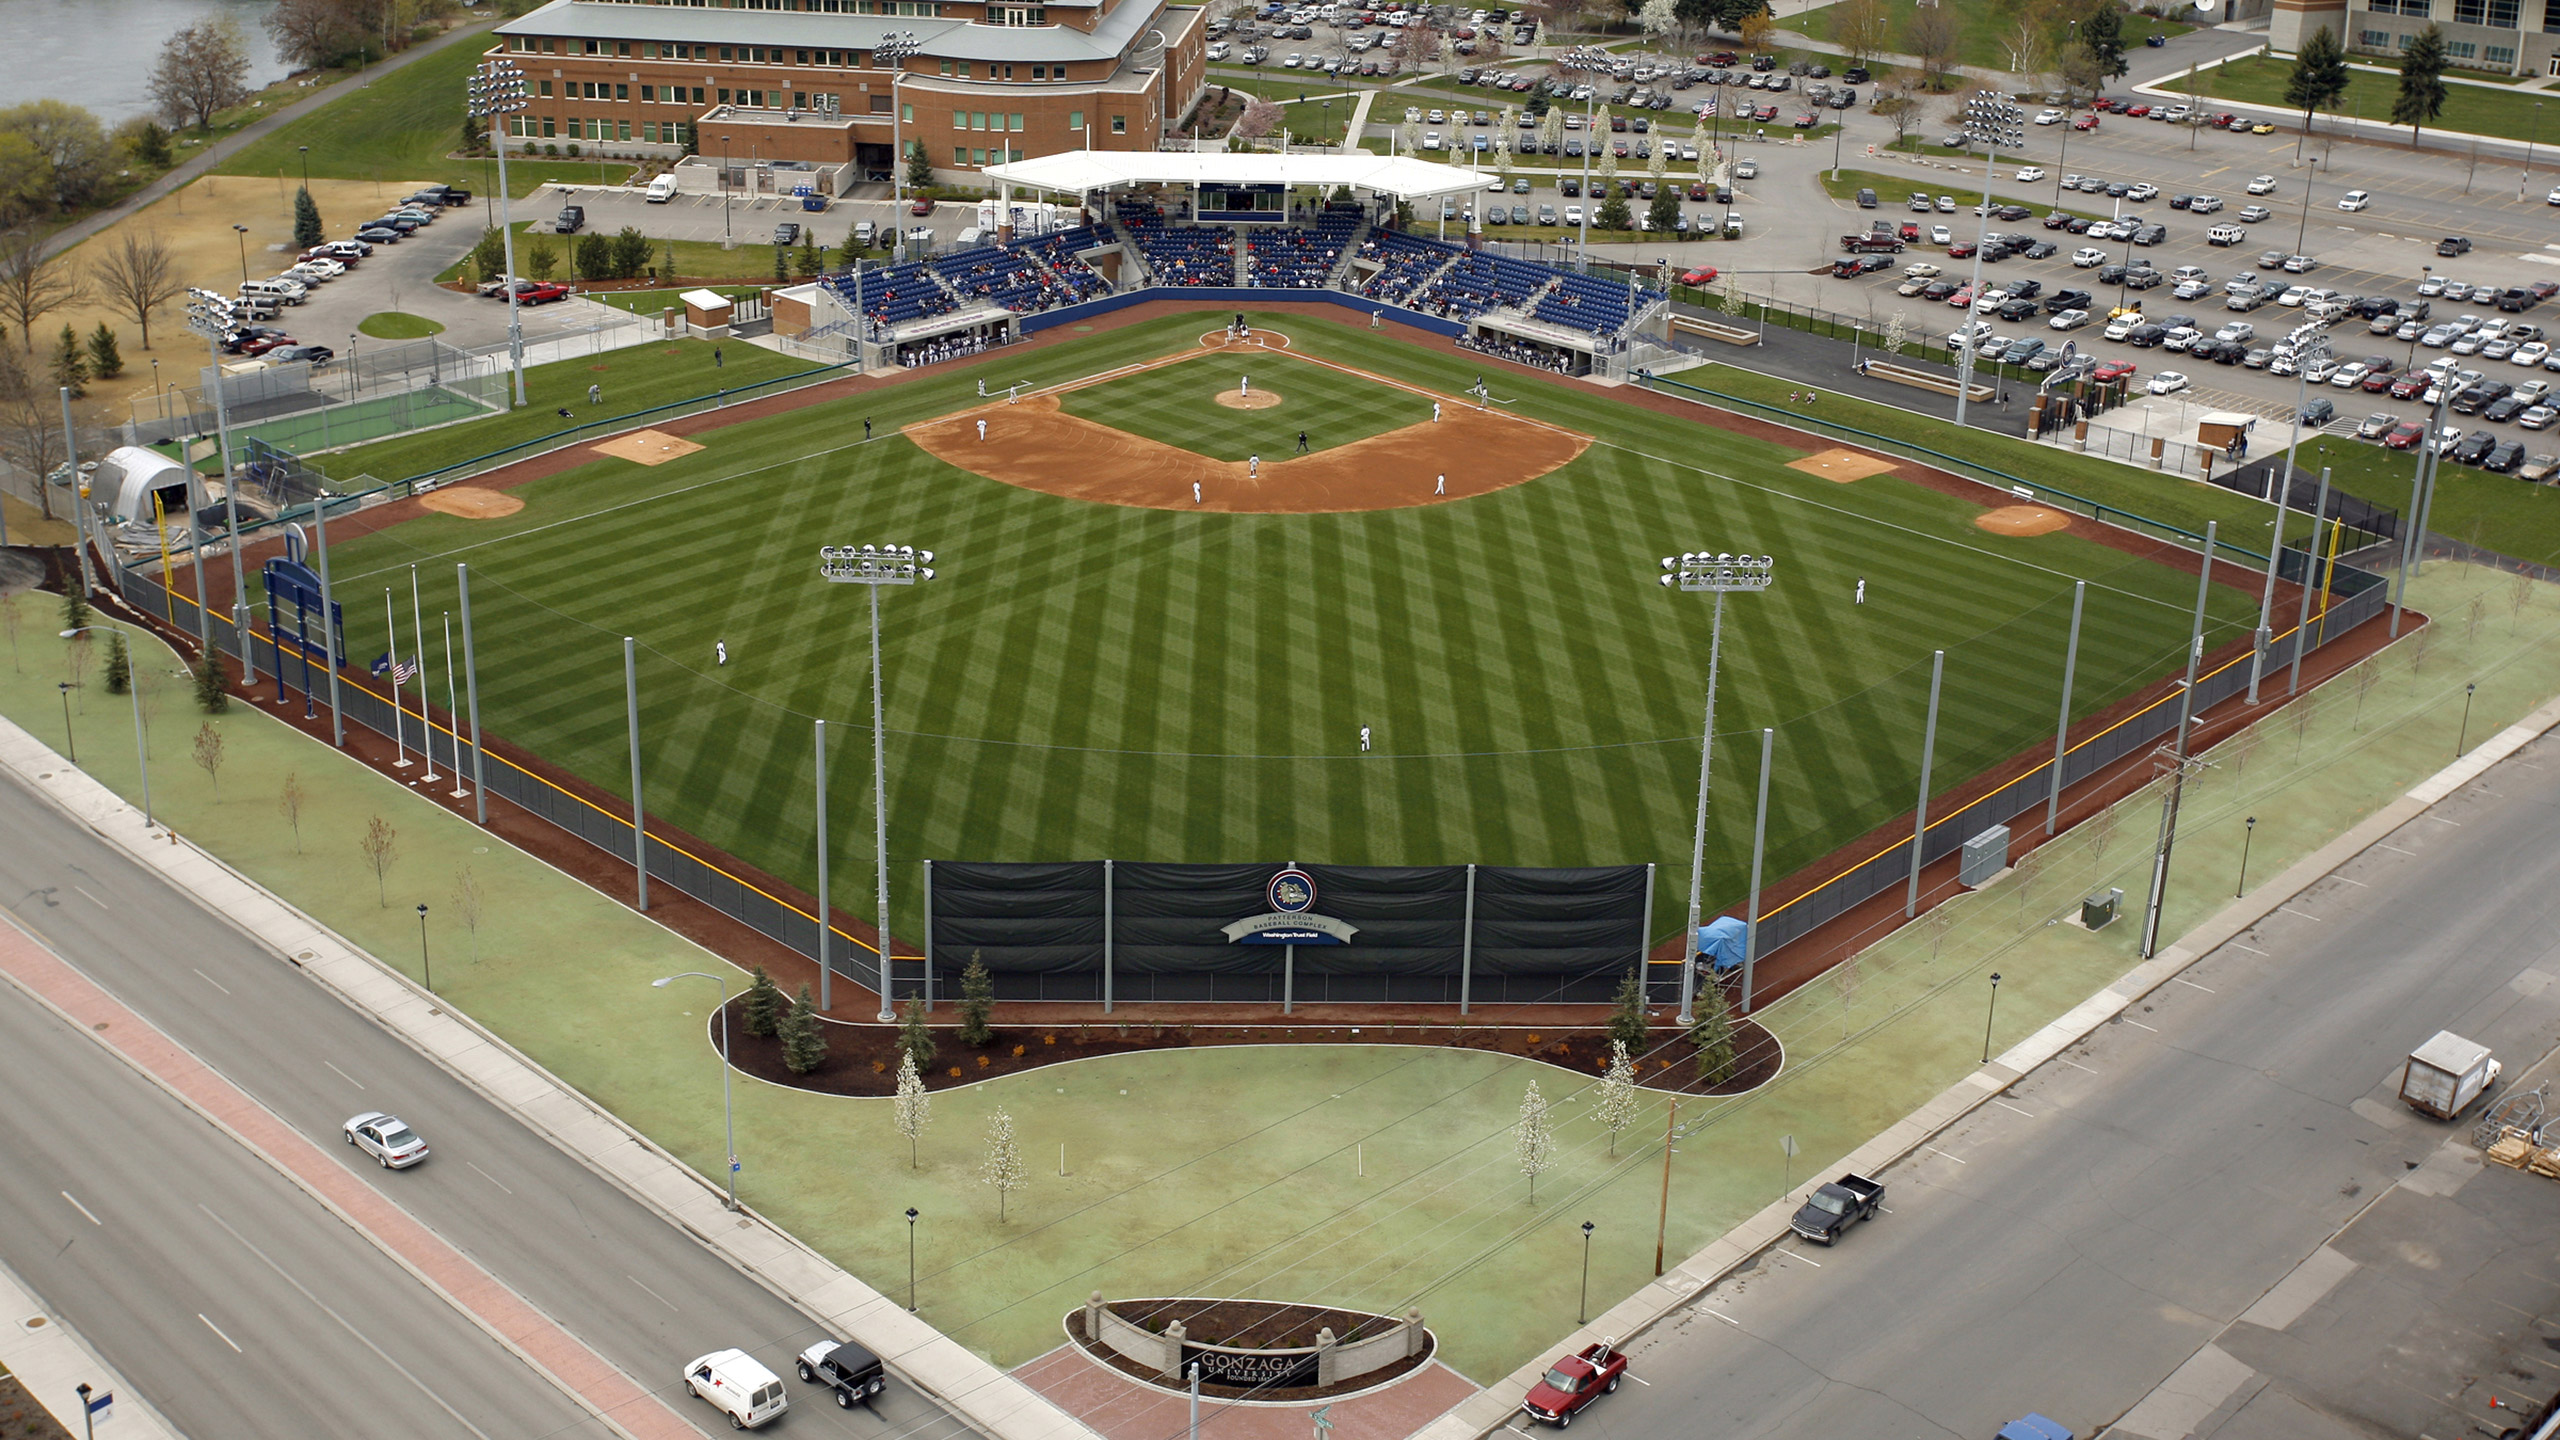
[{"x": 1291, "y": 920}]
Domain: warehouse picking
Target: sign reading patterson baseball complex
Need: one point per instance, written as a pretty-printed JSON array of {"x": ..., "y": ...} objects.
[{"x": 1141, "y": 931}]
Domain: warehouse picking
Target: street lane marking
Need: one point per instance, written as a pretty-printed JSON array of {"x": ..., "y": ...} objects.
[
  {"x": 94, "y": 900},
  {"x": 485, "y": 1175},
  {"x": 361, "y": 1337},
  {"x": 2356, "y": 883},
  {"x": 2076, "y": 1065},
  {"x": 209, "y": 980},
  {"x": 217, "y": 1331},
  {"x": 2014, "y": 1110},
  {"x": 350, "y": 1079},
  {"x": 2190, "y": 984},
  {"x": 1641, "y": 1381},
  {"x": 1790, "y": 1254},
  {"x": 2136, "y": 1024},
  {"x": 83, "y": 1209},
  {"x": 2305, "y": 914},
  {"x": 1934, "y": 1150},
  {"x": 652, "y": 1294}
]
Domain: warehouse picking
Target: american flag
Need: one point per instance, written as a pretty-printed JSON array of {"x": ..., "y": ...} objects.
[{"x": 400, "y": 674}]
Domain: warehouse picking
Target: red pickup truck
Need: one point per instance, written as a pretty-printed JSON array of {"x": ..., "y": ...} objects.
[{"x": 1573, "y": 1382}]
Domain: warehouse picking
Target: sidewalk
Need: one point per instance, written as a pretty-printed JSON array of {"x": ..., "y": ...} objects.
[{"x": 52, "y": 1361}]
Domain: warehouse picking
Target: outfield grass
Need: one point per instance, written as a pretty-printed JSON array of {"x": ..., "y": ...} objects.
[
  {"x": 2470, "y": 109},
  {"x": 1088, "y": 680},
  {"x": 1175, "y": 404},
  {"x": 404, "y": 126},
  {"x": 634, "y": 378}
]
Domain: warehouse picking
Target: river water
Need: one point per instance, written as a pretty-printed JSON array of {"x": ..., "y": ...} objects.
[{"x": 97, "y": 52}]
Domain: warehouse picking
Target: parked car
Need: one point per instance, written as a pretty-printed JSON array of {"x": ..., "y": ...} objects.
[
  {"x": 1574, "y": 1382},
  {"x": 738, "y": 1386},
  {"x": 306, "y": 354},
  {"x": 2355, "y": 200},
  {"x": 2168, "y": 382},
  {"x": 854, "y": 1374},
  {"x": 1833, "y": 1208}
]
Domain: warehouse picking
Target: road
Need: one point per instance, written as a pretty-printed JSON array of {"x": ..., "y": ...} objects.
[
  {"x": 644, "y": 1295},
  {"x": 2077, "y": 1242}
]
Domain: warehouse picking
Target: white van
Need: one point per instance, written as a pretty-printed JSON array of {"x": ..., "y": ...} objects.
[
  {"x": 738, "y": 1387},
  {"x": 283, "y": 289},
  {"x": 661, "y": 190}
]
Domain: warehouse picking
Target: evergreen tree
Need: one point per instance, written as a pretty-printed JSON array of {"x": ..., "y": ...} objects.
[
  {"x": 919, "y": 167},
  {"x": 977, "y": 1000},
  {"x": 804, "y": 1046},
  {"x": 75, "y": 609},
  {"x": 1665, "y": 209},
  {"x": 594, "y": 255},
  {"x": 211, "y": 697},
  {"x": 489, "y": 254},
  {"x": 1711, "y": 1030},
  {"x": 1628, "y": 1021},
  {"x": 762, "y": 1014},
  {"x": 2422, "y": 92},
  {"x": 307, "y": 229},
  {"x": 119, "y": 664},
  {"x": 781, "y": 264},
  {"x": 106, "y": 361},
  {"x": 1613, "y": 215},
  {"x": 474, "y": 136},
  {"x": 914, "y": 1036},
  {"x": 807, "y": 263},
  {"x": 630, "y": 253},
  {"x": 541, "y": 260},
  {"x": 2319, "y": 75},
  {"x": 70, "y": 363},
  {"x": 151, "y": 145},
  {"x": 2103, "y": 34}
]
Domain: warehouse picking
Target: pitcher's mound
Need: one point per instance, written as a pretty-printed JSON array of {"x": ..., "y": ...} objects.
[
  {"x": 1841, "y": 466},
  {"x": 1253, "y": 400},
  {"x": 2022, "y": 520},
  {"x": 471, "y": 504},
  {"x": 648, "y": 447}
]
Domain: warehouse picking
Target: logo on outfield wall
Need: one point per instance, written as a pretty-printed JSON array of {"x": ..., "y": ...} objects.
[{"x": 1291, "y": 919}]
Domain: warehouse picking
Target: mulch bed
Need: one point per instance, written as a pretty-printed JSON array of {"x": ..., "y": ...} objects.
[
  {"x": 862, "y": 1059},
  {"x": 1249, "y": 1324},
  {"x": 21, "y": 1418}
]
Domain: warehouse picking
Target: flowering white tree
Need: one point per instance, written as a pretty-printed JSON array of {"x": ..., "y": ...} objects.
[
  {"x": 1617, "y": 1107},
  {"x": 1896, "y": 331},
  {"x": 1659, "y": 18},
  {"x": 1533, "y": 1138},
  {"x": 1003, "y": 1168},
  {"x": 914, "y": 1107}
]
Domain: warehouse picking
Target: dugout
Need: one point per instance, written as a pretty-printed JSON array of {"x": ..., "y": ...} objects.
[{"x": 1270, "y": 934}]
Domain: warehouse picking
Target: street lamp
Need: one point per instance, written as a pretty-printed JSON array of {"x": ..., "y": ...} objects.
[
  {"x": 911, "y": 1259},
  {"x": 306, "y": 167},
  {"x": 873, "y": 566},
  {"x": 69, "y": 735},
  {"x": 2302, "y": 231},
  {"x": 1991, "y": 122},
  {"x": 242, "y": 231},
  {"x": 724, "y": 191},
  {"x": 1720, "y": 574},
  {"x": 894, "y": 50},
  {"x": 728, "y": 1111},
  {"x": 141, "y": 752},
  {"x": 2468, "y": 689},
  {"x": 212, "y": 316},
  {"x": 1582, "y": 1314},
  {"x": 2309, "y": 345},
  {"x": 2530, "y": 136},
  {"x": 2248, "y": 832},
  {"x": 497, "y": 90},
  {"x": 1989, "y": 1015},
  {"x": 426, "y": 962}
]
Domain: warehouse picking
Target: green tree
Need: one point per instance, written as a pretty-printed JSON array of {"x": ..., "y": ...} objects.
[
  {"x": 146, "y": 142},
  {"x": 541, "y": 259},
  {"x": 474, "y": 135},
  {"x": 1628, "y": 1021},
  {"x": 914, "y": 1036},
  {"x": 977, "y": 1001},
  {"x": 807, "y": 263},
  {"x": 75, "y": 609},
  {"x": 919, "y": 167},
  {"x": 804, "y": 1045},
  {"x": 762, "y": 1014},
  {"x": 307, "y": 229},
  {"x": 105, "y": 360},
  {"x": 211, "y": 696},
  {"x": 2102, "y": 35},
  {"x": 630, "y": 253},
  {"x": 1711, "y": 1031},
  {"x": 489, "y": 254},
  {"x": 781, "y": 264},
  {"x": 2421, "y": 96},
  {"x": 594, "y": 254},
  {"x": 70, "y": 363},
  {"x": 1664, "y": 210},
  {"x": 2319, "y": 75},
  {"x": 1613, "y": 215},
  {"x": 119, "y": 664}
]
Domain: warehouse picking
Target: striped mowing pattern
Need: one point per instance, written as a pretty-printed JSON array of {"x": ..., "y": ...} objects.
[
  {"x": 1175, "y": 404},
  {"x": 1089, "y": 680}
]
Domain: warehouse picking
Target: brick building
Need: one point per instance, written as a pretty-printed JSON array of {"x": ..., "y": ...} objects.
[{"x": 799, "y": 80}]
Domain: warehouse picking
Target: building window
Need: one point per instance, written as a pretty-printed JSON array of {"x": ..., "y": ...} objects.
[
  {"x": 622, "y": 48},
  {"x": 1075, "y": 118},
  {"x": 649, "y": 131},
  {"x": 946, "y": 67},
  {"x": 2502, "y": 14},
  {"x": 978, "y": 120},
  {"x": 2373, "y": 39},
  {"x": 2470, "y": 12},
  {"x": 959, "y": 119},
  {"x": 547, "y": 132},
  {"x": 906, "y": 114},
  {"x": 959, "y": 155},
  {"x": 621, "y": 92},
  {"x": 1119, "y": 124},
  {"x": 648, "y": 93},
  {"x": 697, "y": 94},
  {"x": 964, "y": 69},
  {"x": 1039, "y": 72},
  {"x": 545, "y": 90},
  {"x": 2461, "y": 49},
  {"x": 724, "y": 97},
  {"x": 879, "y": 104},
  {"x": 2501, "y": 56},
  {"x": 2551, "y": 17},
  {"x": 1016, "y": 122},
  {"x": 977, "y": 157}
]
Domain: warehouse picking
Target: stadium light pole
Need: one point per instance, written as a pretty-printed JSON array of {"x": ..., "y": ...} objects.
[
  {"x": 211, "y": 316},
  {"x": 873, "y": 566},
  {"x": 893, "y": 51},
  {"x": 497, "y": 90},
  {"x": 2179, "y": 761},
  {"x": 2310, "y": 345},
  {"x": 1582, "y": 60},
  {"x": 727, "y": 1108},
  {"x": 1991, "y": 122},
  {"x": 1720, "y": 575}
]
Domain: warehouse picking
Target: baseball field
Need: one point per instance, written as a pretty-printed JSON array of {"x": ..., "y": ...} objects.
[{"x": 1110, "y": 663}]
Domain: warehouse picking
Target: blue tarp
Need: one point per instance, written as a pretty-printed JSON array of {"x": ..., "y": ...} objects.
[
  {"x": 2032, "y": 1426},
  {"x": 1721, "y": 940}
]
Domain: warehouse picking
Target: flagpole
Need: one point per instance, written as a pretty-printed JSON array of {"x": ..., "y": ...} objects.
[
  {"x": 391, "y": 627},
  {"x": 453, "y": 707},
  {"x": 426, "y": 726}
]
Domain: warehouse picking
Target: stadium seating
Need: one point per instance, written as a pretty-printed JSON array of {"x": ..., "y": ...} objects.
[
  {"x": 1296, "y": 258},
  {"x": 1581, "y": 302},
  {"x": 898, "y": 293},
  {"x": 1057, "y": 251},
  {"x": 1180, "y": 254},
  {"x": 1404, "y": 262}
]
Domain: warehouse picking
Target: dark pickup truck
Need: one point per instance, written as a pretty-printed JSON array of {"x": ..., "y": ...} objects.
[
  {"x": 1837, "y": 1206},
  {"x": 853, "y": 1373},
  {"x": 1871, "y": 244}
]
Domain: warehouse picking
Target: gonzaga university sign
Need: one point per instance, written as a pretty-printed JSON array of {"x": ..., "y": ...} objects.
[{"x": 1291, "y": 920}]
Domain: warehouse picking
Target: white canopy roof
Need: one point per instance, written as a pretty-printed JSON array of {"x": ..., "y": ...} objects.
[{"x": 1081, "y": 170}]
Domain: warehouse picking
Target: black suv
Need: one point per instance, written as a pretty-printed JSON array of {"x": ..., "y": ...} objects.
[{"x": 2475, "y": 447}]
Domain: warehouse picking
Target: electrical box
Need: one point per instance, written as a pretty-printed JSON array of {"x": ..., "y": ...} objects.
[
  {"x": 1985, "y": 855},
  {"x": 2099, "y": 908}
]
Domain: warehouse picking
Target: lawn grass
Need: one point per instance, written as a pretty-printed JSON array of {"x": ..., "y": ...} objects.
[
  {"x": 634, "y": 378},
  {"x": 1983, "y": 30},
  {"x": 2496, "y": 512},
  {"x": 399, "y": 325},
  {"x": 404, "y": 126},
  {"x": 2468, "y": 109},
  {"x": 1088, "y": 680},
  {"x": 652, "y": 302},
  {"x": 1174, "y": 404}
]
